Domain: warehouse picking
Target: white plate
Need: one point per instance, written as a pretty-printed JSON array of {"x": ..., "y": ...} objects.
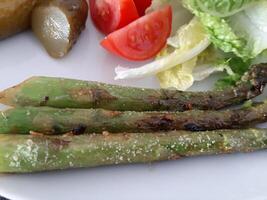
[{"x": 239, "y": 176}]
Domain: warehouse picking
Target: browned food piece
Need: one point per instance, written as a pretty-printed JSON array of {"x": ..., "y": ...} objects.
[
  {"x": 15, "y": 16},
  {"x": 58, "y": 23}
]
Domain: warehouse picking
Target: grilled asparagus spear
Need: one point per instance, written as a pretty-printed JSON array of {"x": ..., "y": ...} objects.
[
  {"x": 28, "y": 153},
  {"x": 68, "y": 93},
  {"x": 78, "y": 121}
]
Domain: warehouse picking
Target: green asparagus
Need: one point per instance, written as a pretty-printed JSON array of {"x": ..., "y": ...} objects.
[
  {"x": 68, "y": 93},
  {"x": 29, "y": 153},
  {"x": 78, "y": 121}
]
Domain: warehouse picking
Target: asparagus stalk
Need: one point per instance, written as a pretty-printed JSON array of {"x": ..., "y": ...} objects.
[
  {"x": 78, "y": 121},
  {"x": 28, "y": 153},
  {"x": 68, "y": 93}
]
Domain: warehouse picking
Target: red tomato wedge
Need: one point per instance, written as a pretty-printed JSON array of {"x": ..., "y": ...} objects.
[
  {"x": 110, "y": 15},
  {"x": 143, "y": 38},
  {"x": 110, "y": 47},
  {"x": 142, "y": 5}
]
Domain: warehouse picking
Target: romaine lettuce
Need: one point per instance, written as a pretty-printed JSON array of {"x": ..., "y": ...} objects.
[
  {"x": 244, "y": 33},
  {"x": 200, "y": 67},
  {"x": 179, "y": 77},
  {"x": 238, "y": 67},
  {"x": 220, "y": 8}
]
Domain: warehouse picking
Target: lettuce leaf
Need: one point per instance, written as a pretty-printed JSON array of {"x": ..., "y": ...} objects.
[
  {"x": 202, "y": 72},
  {"x": 209, "y": 62},
  {"x": 179, "y": 77},
  {"x": 262, "y": 58},
  {"x": 222, "y": 36},
  {"x": 183, "y": 76},
  {"x": 239, "y": 68},
  {"x": 251, "y": 25},
  {"x": 244, "y": 34},
  {"x": 220, "y": 8}
]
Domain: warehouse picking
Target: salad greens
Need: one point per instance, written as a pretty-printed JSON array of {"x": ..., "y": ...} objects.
[
  {"x": 238, "y": 67},
  {"x": 262, "y": 58},
  {"x": 243, "y": 33},
  {"x": 183, "y": 75},
  {"x": 220, "y": 8},
  {"x": 224, "y": 35}
]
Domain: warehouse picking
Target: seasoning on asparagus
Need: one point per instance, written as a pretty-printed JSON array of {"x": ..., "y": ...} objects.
[
  {"x": 67, "y": 93},
  {"x": 27, "y": 153},
  {"x": 78, "y": 121}
]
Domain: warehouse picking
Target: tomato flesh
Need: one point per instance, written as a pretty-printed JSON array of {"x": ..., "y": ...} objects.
[
  {"x": 110, "y": 15},
  {"x": 109, "y": 46},
  {"x": 142, "y": 5},
  {"x": 143, "y": 38}
]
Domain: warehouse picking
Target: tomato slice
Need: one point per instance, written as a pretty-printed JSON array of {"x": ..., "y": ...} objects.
[
  {"x": 143, "y": 38},
  {"x": 109, "y": 46},
  {"x": 110, "y": 15},
  {"x": 142, "y": 5}
]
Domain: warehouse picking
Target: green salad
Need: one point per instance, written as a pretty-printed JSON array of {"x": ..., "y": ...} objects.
[{"x": 208, "y": 36}]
